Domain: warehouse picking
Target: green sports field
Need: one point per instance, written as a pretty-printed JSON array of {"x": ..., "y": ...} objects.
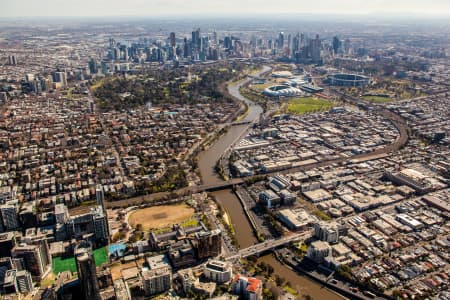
[
  {"x": 308, "y": 104},
  {"x": 68, "y": 264}
]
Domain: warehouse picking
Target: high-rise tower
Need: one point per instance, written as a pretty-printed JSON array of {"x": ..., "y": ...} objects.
[{"x": 86, "y": 271}]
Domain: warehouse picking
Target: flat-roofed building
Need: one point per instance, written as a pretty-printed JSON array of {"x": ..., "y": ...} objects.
[
  {"x": 318, "y": 250},
  {"x": 409, "y": 221},
  {"x": 218, "y": 271},
  {"x": 327, "y": 232},
  {"x": 295, "y": 219},
  {"x": 269, "y": 198},
  {"x": 317, "y": 195},
  {"x": 157, "y": 280}
]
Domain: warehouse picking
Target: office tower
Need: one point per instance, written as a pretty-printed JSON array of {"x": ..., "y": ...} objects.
[
  {"x": 347, "y": 46},
  {"x": 289, "y": 41},
  {"x": 86, "y": 271},
  {"x": 12, "y": 60},
  {"x": 60, "y": 77},
  {"x": 7, "y": 243},
  {"x": 99, "y": 195},
  {"x": 215, "y": 38},
  {"x": 116, "y": 53},
  {"x": 125, "y": 53},
  {"x": 336, "y": 44},
  {"x": 93, "y": 67},
  {"x": 9, "y": 216},
  {"x": 196, "y": 39},
  {"x": 100, "y": 223},
  {"x": 208, "y": 243},
  {"x": 315, "y": 47},
  {"x": 281, "y": 40},
  {"x": 186, "y": 49},
  {"x": 172, "y": 39},
  {"x": 227, "y": 43},
  {"x": 295, "y": 46},
  {"x": 34, "y": 257},
  {"x": 104, "y": 67},
  {"x": 112, "y": 43}
]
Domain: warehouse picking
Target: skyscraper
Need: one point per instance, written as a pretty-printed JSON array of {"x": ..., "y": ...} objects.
[
  {"x": 196, "y": 39},
  {"x": 315, "y": 48},
  {"x": 86, "y": 271},
  {"x": 336, "y": 44},
  {"x": 60, "y": 77},
  {"x": 93, "y": 66},
  {"x": 99, "y": 195},
  {"x": 172, "y": 39},
  {"x": 12, "y": 60},
  {"x": 281, "y": 40}
]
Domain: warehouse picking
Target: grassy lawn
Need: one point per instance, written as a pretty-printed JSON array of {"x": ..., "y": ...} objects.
[
  {"x": 377, "y": 99},
  {"x": 68, "y": 264},
  {"x": 190, "y": 223},
  {"x": 308, "y": 104}
]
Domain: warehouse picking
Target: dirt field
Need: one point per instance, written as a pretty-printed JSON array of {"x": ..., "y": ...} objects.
[{"x": 160, "y": 216}]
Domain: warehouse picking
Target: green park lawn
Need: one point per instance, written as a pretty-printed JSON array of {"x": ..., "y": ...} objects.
[
  {"x": 308, "y": 104},
  {"x": 68, "y": 264}
]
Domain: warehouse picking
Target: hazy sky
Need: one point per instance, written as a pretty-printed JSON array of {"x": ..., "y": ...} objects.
[{"x": 17, "y": 8}]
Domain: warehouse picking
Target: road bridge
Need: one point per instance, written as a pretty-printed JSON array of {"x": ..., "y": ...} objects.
[{"x": 270, "y": 245}]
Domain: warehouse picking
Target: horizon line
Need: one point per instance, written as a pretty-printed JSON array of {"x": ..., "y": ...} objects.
[{"x": 380, "y": 15}]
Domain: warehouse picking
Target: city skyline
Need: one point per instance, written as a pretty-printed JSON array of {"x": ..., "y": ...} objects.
[
  {"x": 204, "y": 149},
  {"x": 58, "y": 8}
]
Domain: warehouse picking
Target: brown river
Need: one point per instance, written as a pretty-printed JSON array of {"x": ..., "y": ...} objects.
[
  {"x": 228, "y": 200},
  {"x": 245, "y": 237}
]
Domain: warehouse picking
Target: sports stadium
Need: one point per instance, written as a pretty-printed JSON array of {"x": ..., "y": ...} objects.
[
  {"x": 345, "y": 79},
  {"x": 282, "y": 91}
]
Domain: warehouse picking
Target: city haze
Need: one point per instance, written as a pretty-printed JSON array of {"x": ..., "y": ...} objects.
[{"x": 205, "y": 8}]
